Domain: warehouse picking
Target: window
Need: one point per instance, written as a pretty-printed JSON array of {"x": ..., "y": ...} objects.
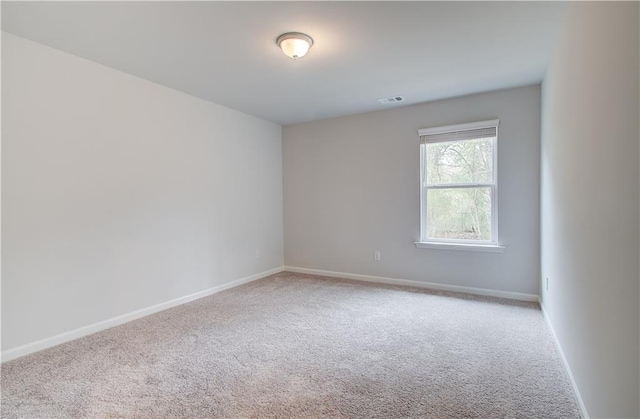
[{"x": 459, "y": 184}]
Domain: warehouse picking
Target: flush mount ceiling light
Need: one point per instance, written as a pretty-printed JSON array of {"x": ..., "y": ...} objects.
[{"x": 294, "y": 44}]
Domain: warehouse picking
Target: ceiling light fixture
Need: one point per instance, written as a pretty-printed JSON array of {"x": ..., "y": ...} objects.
[{"x": 294, "y": 44}]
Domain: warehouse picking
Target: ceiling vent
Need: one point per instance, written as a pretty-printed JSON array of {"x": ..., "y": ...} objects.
[{"x": 392, "y": 99}]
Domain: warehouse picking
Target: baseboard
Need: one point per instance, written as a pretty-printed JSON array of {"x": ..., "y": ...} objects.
[
  {"x": 576, "y": 392},
  {"x": 116, "y": 321},
  {"x": 417, "y": 284}
]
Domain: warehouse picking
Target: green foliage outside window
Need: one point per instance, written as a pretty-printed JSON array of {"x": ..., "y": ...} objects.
[{"x": 462, "y": 212}]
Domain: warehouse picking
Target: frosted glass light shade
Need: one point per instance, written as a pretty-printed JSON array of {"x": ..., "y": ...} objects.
[{"x": 294, "y": 44}]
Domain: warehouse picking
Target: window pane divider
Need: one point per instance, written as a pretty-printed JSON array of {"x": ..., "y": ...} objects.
[{"x": 458, "y": 185}]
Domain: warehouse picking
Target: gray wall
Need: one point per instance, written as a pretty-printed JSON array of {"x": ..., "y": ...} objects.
[
  {"x": 119, "y": 194},
  {"x": 590, "y": 203},
  {"x": 351, "y": 186}
]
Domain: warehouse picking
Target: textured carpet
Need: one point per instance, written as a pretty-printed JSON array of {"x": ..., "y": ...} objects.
[{"x": 294, "y": 345}]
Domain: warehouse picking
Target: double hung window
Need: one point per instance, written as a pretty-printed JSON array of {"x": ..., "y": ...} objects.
[{"x": 458, "y": 169}]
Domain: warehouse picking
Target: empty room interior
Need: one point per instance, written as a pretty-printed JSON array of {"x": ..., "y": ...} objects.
[{"x": 320, "y": 209}]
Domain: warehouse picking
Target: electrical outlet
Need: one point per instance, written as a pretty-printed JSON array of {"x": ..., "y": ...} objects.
[
  {"x": 376, "y": 255},
  {"x": 546, "y": 280},
  {"x": 258, "y": 254}
]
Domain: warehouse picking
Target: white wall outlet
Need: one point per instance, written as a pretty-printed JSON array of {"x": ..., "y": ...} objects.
[
  {"x": 546, "y": 282},
  {"x": 376, "y": 255},
  {"x": 258, "y": 254}
]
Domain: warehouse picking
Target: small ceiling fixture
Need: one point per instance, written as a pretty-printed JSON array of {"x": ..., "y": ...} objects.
[{"x": 294, "y": 44}]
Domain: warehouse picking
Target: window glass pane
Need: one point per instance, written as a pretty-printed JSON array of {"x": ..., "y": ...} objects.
[
  {"x": 469, "y": 161},
  {"x": 459, "y": 213}
]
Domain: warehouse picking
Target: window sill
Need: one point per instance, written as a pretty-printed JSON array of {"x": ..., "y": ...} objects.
[{"x": 461, "y": 246}]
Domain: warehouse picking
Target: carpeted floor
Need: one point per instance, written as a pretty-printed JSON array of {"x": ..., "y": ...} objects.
[{"x": 302, "y": 346}]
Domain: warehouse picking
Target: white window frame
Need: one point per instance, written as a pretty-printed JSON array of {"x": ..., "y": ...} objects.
[{"x": 491, "y": 245}]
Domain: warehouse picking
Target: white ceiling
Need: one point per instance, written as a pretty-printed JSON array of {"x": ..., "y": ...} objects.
[{"x": 225, "y": 52}]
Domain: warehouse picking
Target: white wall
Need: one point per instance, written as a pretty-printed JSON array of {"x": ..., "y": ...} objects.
[
  {"x": 118, "y": 194},
  {"x": 590, "y": 205},
  {"x": 351, "y": 186}
]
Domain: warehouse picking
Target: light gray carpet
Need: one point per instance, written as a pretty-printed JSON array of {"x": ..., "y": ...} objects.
[{"x": 294, "y": 345}]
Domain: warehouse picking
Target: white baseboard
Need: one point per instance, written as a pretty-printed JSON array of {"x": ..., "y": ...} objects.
[
  {"x": 576, "y": 392},
  {"x": 116, "y": 321},
  {"x": 417, "y": 284}
]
